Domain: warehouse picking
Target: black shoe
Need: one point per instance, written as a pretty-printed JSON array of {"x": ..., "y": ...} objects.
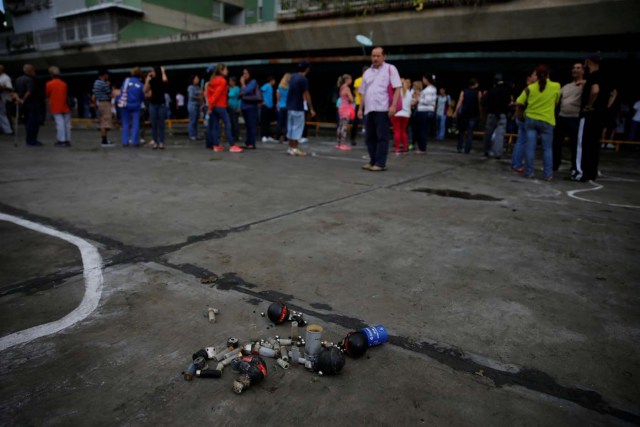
[
  {"x": 59, "y": 144},
  {"x": 67, "y": 143},
  {"x": 36, "y": 144}
]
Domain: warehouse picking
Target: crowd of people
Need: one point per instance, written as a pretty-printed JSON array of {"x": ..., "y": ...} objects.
[{"x": 380, "y": 101}]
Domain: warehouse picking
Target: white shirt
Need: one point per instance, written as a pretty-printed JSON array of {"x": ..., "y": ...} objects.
[
  {"x": 5, "y": 81},
  {"x": 375, "y": 82},
  {"x": 406, "y": 104},
  {"x": 428, "y": 98},
  {"x": 179, "y": 100}
]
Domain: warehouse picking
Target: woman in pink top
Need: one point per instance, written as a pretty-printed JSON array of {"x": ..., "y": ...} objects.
[{"x": 346, "y": 111}]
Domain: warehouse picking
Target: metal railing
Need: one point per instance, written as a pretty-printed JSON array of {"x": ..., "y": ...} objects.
[{"x": 292, "y": 10}]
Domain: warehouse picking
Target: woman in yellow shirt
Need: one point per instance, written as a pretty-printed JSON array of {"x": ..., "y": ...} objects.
[{"x": 539, "y": 100}]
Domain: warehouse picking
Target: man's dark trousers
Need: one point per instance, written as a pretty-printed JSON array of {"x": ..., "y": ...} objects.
[{"x": 377, "y": 129}]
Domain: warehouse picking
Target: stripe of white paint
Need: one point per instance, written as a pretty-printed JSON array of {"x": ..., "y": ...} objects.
[
  {"x": 92, "y": 264},
  {"x": 596, "y": 187}
]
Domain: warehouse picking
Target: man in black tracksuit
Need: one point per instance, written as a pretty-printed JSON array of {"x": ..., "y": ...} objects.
[{"x": 595, "y": 98}]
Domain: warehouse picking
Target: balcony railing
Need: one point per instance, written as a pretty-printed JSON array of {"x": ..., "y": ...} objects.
[
  {"x": 73, "y": 33},
  {"x": 298, "y": 10}
]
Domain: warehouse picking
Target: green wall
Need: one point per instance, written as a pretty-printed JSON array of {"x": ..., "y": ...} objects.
[
  {"x": 203, "y": 8},
  {"x": 143, "y": 30},
  {"x": 268, "y": 11}
]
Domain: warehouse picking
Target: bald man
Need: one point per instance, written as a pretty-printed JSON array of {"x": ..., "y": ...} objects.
[{"x": 29, "y": 99}]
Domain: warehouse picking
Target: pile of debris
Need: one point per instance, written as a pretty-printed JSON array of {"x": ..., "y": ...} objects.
[{"x": 316, "y": 355}]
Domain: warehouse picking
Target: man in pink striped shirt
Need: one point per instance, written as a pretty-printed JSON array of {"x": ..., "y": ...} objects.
[{"x": 377, "y": 106}]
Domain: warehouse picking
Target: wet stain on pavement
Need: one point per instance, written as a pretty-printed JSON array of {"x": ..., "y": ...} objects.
[
  {"x": 444, "y": 192},
  {"x": 321, "y": 306}
]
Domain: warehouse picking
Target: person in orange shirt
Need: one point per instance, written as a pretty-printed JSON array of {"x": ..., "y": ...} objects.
[
  {"x": 217, "y": 100},
  {"x": 56, "y": 91}
]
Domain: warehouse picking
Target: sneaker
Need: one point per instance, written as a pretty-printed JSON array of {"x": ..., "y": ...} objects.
[
  {"x": 518, "y": 170},
  {"x": 303, "y": 140},
  {"x": 548, "y": 178},
  {"x": 296, "y": 152},
  {"x": 235, "y": 149},
  {"x": 265, "y": 139},
  {"x": 366, "y": 166},
  {"x": 218, "y": 148},
  {"x": 376, "y": 168},
  {"x": 59, "y": 144}
]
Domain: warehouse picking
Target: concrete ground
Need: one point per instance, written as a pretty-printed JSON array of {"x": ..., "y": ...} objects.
[{"x": 520, "y": 308}]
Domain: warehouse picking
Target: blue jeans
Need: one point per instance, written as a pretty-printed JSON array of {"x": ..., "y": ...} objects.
[
  {"x": 217, "y": 114},
  {"x": 377, "y": 130},
  {"x": 545, "y": 130},
  {"x": 194, "y": 116},
  {"x": 250, "y": 114},
  {"x": 441, "y": 126},
  {"x": 130, "y": 117},
  {"x": 467, "y": 124},
  {"x": 424, "y": 119},
  {"x": 518, "y": 148},
  {"x": 157, "y": 115}
]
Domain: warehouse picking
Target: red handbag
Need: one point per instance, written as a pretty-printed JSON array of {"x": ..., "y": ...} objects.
[{"x": 391, "y": 91}]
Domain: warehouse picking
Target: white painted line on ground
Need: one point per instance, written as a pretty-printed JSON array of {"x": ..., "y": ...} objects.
[
  {"x": 596, "y": 187},
  {"x": 92, "y": 264}
]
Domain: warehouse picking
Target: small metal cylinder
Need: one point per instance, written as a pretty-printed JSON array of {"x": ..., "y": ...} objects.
[
  {"x": 189, "y": 372},
  {"x": 284, "y": 341},
  {"x": 267, "y": 352},
  {"x": 220, "y": 356},
  {"x": 295, "y": 331},
  {"x": 313, "y": 341},
  {"x": 295, "y": 353},
  {"x": 283, "y": 363},
  {"x": 233, "y": 343},
  {"x": 284, "y": 355}
]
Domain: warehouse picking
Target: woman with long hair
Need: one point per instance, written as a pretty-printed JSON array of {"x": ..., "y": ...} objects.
[
  {"x": 401, "y": 120},
  {"x": 345, "y": 112},
  {"x": 155, "y": 87},
  {"x": 540, "y": 99},
  {"x": 281, "y": 105},
  {"x": 217, "y": 94}
]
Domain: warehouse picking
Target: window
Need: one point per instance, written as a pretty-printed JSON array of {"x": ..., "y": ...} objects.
[{"x": 218, "y": 11}]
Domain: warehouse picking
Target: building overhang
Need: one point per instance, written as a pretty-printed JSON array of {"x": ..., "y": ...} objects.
[{"x": 100, "y": 8}]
